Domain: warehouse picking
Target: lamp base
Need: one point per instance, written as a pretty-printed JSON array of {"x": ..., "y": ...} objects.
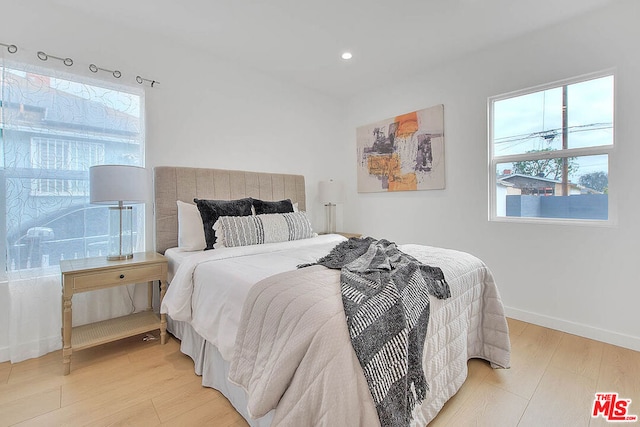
[
  {"x": 330, "y": 210},
  {"x": 120, "y": 233}
]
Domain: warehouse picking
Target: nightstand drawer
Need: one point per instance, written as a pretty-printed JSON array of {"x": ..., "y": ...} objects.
[{"x": 117, "y": 277}]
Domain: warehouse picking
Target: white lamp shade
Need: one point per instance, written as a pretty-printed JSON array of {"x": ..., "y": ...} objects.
[
  {"x": 331, "y": 192},
  {"x": 110, "y": 184}
]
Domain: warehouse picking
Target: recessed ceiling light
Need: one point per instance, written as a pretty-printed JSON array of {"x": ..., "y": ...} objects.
[{"x": 347, "y": 55}]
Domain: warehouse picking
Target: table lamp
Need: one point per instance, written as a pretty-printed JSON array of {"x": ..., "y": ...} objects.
[
  {"x": 331, "y": 192},
  {"x": 118, "y": 184}
]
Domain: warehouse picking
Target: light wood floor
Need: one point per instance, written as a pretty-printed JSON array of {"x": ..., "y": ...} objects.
[{"x": 552, "y": 382}]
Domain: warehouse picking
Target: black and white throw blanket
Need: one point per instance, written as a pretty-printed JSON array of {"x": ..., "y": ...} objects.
[{"x": 385, "y": 293}]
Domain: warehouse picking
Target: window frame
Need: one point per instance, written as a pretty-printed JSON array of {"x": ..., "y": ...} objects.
[
  {"x": 607, "y": 150},
  {"x": 66, "y": 136}
]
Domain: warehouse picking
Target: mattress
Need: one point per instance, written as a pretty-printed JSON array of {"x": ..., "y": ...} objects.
[{"x": 175, "y": 257}]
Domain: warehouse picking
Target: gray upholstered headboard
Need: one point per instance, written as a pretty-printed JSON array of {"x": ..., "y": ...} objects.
[{"x": 179, "y": 183}]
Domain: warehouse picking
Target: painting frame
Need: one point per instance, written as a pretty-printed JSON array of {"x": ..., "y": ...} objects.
[{"x": 402, "y": 153}]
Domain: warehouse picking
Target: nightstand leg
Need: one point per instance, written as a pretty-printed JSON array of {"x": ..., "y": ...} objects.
[
  {"x": 163, "y": 317},
  {"x": 150, "y": 296},
  {"x": 66, "y": 335}
]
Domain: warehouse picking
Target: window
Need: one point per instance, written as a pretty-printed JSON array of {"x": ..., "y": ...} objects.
[
  {"x": 549, "y": 151},
  {"x": 53, "y": 128}
]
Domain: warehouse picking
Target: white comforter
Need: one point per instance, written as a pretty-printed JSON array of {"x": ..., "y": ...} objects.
[{"x": 209, "y": 288}]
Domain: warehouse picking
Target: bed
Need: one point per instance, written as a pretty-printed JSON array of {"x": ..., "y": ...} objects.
[{"x": 208, "y": 290}]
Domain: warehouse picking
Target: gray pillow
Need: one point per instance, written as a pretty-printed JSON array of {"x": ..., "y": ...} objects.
[
  {"x": 211, "y": 210},
  {"x": 264, "y": 207}
]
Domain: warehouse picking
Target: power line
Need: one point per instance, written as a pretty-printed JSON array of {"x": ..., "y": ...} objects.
[{"x": 556, "y": 131}]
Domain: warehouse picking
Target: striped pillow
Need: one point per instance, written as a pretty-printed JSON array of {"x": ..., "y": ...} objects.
[{"x": 259, "y": 229}]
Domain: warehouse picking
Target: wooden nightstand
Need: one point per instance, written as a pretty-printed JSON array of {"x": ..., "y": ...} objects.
[
  {"x": 90, "y": 274},
  {"x": 347, "y": 235}
]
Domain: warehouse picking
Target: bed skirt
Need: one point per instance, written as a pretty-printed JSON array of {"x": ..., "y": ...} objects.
[{"x": 214, "y": 370}]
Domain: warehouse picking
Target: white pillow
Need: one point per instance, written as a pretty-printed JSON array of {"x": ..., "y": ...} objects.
[{"x": 190, "y": 228}]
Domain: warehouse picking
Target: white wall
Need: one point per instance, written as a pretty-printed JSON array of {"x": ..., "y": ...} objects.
[
  {"x": 204, "y": 113},
  {"x": 4, "y": 318},
  {"x": 213, "y": 114},
  {"x": 574, "y": 278}
]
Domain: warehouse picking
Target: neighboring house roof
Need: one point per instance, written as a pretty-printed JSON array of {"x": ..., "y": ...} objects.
[
  {"x": 535, "y": 178},
  {"x": 505, "y": 180},
  {"x": 34, "y": 92}
]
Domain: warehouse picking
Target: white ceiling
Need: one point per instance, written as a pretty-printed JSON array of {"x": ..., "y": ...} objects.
[{"x": 301, "y": 41}]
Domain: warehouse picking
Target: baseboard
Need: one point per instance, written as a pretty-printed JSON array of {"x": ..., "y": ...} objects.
[{"x": 586, "y": 331}]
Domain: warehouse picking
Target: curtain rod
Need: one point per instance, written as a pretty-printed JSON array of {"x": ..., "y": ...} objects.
[{"x": 12, "y": 48}]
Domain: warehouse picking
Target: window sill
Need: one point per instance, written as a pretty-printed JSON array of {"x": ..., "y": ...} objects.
[{"x": 610, "y": 223}]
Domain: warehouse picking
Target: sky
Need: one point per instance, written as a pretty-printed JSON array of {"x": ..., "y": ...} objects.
[{"x": 530, "y": 122}]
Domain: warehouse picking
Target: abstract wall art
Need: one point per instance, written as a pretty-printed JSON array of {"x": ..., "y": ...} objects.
[{"x": 403, "y": 153}]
